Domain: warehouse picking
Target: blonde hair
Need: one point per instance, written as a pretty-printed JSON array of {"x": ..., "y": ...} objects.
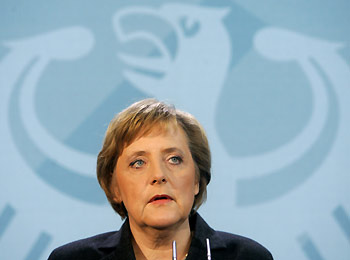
[{"x": 138, "y": 120}]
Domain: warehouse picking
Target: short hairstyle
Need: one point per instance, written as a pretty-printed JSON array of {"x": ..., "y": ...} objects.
[{"x": 138, "y": 120}]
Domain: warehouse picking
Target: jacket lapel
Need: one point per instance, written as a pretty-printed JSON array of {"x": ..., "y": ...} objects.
[
  {"x": 202, "y": 231},
  {"x": 121, "y": 243}
]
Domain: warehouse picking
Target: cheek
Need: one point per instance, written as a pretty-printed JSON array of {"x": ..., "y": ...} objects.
[
  {"x": 120, "y": 183},
  {"x": 191, "y": 184},
  {"x": 128, "y": 189}
]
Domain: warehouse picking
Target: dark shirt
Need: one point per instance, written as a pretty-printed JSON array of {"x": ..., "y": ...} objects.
[{"x": 118, "y": 246}]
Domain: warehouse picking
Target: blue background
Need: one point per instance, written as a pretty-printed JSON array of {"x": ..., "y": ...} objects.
[{"x": 269, "y": 81}]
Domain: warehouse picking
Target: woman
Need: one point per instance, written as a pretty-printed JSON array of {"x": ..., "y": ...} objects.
[{"x": 154, "y": 167}]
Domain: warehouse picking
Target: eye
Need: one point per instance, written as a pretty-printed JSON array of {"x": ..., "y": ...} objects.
[
  {"x": 175, "y": 160},
  {"x": 137, "y": 164},
  {"x": 190, "y": 27}
]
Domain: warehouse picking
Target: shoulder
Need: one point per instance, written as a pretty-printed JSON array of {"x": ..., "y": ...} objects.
[
  {"x": 94, "y": 247},
  {"x": 224, "y": 245},
  {"x": 239, "y": 247}
]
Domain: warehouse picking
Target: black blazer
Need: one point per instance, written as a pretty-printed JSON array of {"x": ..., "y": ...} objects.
[{"x": 117, "y": 245}]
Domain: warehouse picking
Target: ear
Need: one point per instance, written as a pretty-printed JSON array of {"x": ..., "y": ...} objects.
[
  {"x": 115, "y": 191},
  {"x": 116, "y": 194},
  {"x": 196, "y": 188}
]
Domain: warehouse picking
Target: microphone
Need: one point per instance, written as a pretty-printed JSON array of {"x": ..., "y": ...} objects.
[
  {"x": 208, "y": 250},
  {"x": 174, "y": 250}
]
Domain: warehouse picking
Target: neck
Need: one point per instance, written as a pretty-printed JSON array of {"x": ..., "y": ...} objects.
[{"x": 150, "y": 243}]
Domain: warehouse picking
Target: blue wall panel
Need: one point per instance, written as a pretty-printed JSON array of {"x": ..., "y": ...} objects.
[{"x": 269, "y": 80}]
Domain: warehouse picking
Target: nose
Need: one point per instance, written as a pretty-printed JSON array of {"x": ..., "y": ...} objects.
[
  {"x": 159, "y": 181},
  {"x": 158, "y": 173}
]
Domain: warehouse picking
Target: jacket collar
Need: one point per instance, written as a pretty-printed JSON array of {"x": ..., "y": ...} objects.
[
  {"x": 121, "y": 241},
  {"x": 202, "y": 231}
]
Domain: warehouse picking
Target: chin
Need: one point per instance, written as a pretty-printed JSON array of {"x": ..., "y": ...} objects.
[{"x": 164, "y": 220}]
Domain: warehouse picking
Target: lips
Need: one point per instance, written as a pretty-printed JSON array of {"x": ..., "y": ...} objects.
[{"x": 160, "y": 198}]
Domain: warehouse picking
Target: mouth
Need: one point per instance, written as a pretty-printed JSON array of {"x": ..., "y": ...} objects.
[{"x": 158, "y": 199}]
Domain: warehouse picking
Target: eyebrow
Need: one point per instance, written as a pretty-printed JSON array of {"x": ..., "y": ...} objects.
[
  {"x": 173, "y": 149},
  {"x": 137, "y": 153},
  {"x": 166, "y": 150}
]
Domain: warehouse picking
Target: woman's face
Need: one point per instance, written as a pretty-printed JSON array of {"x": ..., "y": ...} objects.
[{"x": 155, "y": 179}]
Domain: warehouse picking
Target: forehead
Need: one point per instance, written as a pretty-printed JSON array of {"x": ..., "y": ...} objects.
[{"x": 170, "y": 135}]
